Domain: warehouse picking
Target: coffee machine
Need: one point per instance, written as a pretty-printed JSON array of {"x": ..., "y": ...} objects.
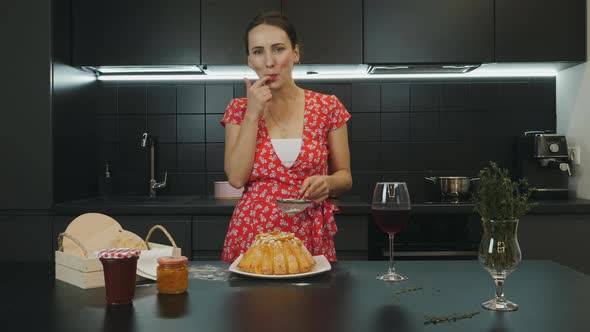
[{"x": 544, "y": 161}]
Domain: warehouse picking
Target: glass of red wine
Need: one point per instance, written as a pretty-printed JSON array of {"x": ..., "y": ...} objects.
[{"x": 391, "y": 212}]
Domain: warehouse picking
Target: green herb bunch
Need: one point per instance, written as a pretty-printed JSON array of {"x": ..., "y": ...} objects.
[{"x": 498, "y": 197}]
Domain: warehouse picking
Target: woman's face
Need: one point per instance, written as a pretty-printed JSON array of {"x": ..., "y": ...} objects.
[{"x": 270, "y": 54}]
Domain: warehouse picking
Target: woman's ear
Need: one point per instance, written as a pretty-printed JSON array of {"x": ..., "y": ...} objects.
[{"x": 297, "y": 56}]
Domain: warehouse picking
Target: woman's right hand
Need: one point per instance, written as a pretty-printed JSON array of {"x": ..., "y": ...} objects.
[{"x": 258, "y": 96}]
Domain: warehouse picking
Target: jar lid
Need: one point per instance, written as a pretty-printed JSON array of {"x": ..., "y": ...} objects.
[
  {"x": 119, "y": 253},
  {"x": 171, "y": 260}
]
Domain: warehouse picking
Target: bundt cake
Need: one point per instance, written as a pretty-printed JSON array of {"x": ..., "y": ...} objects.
[{"x": 276, "y": 253}]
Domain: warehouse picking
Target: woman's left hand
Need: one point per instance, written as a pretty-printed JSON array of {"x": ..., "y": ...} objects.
[{"x": 315, "y": 188}]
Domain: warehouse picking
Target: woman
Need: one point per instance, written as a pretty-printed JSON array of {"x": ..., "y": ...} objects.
[{"x": 278, "y": 142}]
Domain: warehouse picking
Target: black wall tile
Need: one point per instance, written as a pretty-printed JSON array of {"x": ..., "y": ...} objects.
[
  {"x": 424, "y": 97},
  {"x": 533, "y": 120},
  {"x": 395, "y": 97},
  {"x": 366, "y": 127},
  {"x": 217, "y": 97},
  {"x": 363, "y": 184},
  {"x": 163, "y": 127},
  {"x": 400, "y": 131},
  {"x": 133, "y": 157},
  {"x": 166, "y": 156},
  {"x": 187, "y": 183},
  {"x": 191, "y": 98},
  {"x": 515, "y": 96},
  {"x": 131, "y": 182},
  {"x": 215, "y": 131},
  {"x": 424, "y": 126},
  {"x": 107, "y": 100},
  {"x": 107, "y": 128},
  {"x": 454, "y": 96},
  {"x": 191, "y": 128},
  {"x": 342, "y": 91},
  {"x": 394, "y": 156},
  {"x": 132, "y": 100},
  {"x": 395, "y": 127},
  {"x": 543, "y": 96},
  {"x": 191, "y": 157},
  {"x": 131, "y": 128},
  {"x": 364, "y": 156},
  {"x": 215, "y": 157},
  {"x": 484, "y": 96},
  {"x": 161, "y": 99},
  {"x": 366, "y": 97}
]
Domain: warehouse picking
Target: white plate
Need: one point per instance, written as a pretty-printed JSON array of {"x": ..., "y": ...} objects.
[{"x": 322, "y": 265}]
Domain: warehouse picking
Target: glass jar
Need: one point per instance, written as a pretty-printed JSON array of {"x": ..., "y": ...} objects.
[
  {"x": 119, "y": 266},
  {"x": 172, "y": 275}
]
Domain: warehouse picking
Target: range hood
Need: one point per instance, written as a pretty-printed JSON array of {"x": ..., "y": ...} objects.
[{"x": 421, "y": 69}]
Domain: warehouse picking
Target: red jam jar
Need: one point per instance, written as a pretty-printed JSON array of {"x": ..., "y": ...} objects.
[
  {"x": 172, "y": 274},
  {"x": 120, "y": 268}
]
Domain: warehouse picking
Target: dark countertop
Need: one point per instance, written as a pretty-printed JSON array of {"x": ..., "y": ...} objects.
[
  {"x": 207, "y": 205},
  {"x": 348, "y": 298}
]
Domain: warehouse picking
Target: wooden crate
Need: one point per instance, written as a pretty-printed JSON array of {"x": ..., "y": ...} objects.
[{"x": 87, "y": 273}]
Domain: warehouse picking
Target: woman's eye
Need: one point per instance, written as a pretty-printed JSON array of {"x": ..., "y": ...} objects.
[
  {"x": 256, "y": 52},
  {"x": 279, "y": 49}
]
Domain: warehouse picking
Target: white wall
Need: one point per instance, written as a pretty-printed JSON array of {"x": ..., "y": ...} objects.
[{"x": 573, "y": 114}]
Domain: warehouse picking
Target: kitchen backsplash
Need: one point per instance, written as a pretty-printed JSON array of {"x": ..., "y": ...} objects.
[{"x": 399, "y": 131}]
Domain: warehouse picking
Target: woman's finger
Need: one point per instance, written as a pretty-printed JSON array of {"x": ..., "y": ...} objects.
[
  {"x": 304, "y": 187},
  {"x": 260, "y": 81}
]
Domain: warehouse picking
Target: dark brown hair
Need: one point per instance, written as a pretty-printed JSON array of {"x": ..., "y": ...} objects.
[{"x": 274, "y": 18}]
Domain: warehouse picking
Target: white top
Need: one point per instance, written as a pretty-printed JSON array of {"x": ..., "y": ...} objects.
[{"x": 287, "y": 149}]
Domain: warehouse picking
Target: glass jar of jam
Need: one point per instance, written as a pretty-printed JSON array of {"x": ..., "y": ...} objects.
[
  {"x": 120, "y": 267},
  {"x": 172, "y": 274}
]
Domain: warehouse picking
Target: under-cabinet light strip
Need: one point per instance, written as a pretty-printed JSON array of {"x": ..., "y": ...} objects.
[{"x": 168, "y": 77}]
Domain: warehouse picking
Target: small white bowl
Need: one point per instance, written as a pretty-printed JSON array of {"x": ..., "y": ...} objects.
[{"x": 223, "y": 190}]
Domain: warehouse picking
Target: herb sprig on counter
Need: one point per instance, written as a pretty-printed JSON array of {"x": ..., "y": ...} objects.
[
  {"x": 449, "y": 318},
  {"x": 498, "y": 197},
  {"x": 408, "y": 290}
]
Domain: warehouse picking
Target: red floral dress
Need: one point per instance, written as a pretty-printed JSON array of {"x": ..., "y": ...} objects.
[{"x": 257, "y": 211}]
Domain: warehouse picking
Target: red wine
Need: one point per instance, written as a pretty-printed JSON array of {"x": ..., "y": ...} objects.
[{"x": 391, "y": 221}]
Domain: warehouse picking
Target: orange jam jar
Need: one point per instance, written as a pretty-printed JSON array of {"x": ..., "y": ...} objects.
[{"x": 172, "y": 274}]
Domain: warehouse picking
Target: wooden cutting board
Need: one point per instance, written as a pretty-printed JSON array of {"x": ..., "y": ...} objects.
[{"x": 94, "y": 230}]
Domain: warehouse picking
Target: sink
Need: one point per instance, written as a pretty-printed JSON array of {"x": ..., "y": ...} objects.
[{"x": 140, "y": 200}]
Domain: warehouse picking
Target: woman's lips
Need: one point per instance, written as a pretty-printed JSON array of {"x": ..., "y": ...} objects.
[{"x": 273, "y": 77}]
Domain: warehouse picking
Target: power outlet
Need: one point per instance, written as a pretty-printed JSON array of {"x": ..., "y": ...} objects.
[{"x": 574, "y": 154}]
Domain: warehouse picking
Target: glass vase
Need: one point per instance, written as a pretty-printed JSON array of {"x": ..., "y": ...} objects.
[{"x": 499, "y": 254}]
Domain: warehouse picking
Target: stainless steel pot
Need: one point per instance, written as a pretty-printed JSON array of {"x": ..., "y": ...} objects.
[{"x": 453, "y": 186}]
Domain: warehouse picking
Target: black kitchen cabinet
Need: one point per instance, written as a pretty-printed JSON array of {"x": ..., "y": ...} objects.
[
  {"x": 330, "y": 30},
  {"x": 26, "y": 238},
  {"x": 428, "y": 31},
  {"x": 557, "y": 237},
  {"x": 208, "y": 236},
  {"x": 540, "y": 30},
  {"x": 27, "y": 131},
  {"x": 351, "y": 240},
  {"x": 136, "y": 32},
  {"x": 224, "y": 23}
]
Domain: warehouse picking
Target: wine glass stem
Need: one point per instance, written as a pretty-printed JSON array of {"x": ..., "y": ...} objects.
[
  {"x": 499, "y": 290},
  {"x": 391, "y": 268}
]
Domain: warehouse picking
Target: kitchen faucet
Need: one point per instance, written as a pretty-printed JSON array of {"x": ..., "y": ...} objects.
[{"x": 146, "y": 140}]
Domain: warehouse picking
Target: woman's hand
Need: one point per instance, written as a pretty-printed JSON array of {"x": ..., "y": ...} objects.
[
  {"x": 316, "y": 188},
  {"x": 258, "y": 96}
]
